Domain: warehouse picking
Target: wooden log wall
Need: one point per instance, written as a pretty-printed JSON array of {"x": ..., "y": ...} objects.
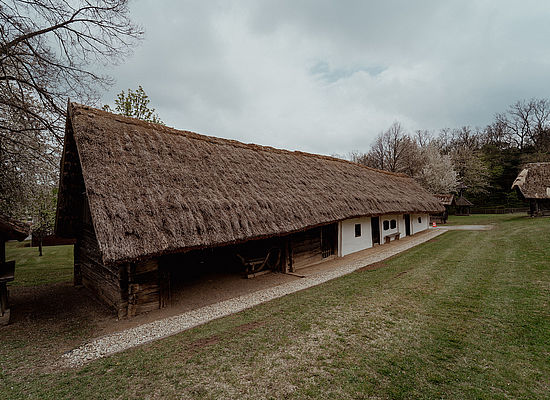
[
  {"x": 109, "y": 283},
  {"x": 143, "y": 287},
  {"x": 306, "y": 248}
]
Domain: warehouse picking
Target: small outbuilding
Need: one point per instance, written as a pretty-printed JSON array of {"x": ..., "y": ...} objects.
[
  {"x": 10, "y": 229},
  {"x": 533, "y": 185},
  {"x": 147, "y": 203},
  {"x": 447, "y": 201},
  {"x": 462, "y": 206}
]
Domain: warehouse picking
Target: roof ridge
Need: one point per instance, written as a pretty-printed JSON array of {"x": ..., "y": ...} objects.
[{"x": 222, "y": 141}]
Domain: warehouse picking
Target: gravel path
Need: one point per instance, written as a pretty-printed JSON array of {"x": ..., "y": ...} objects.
[
  {"x": 466, "y": 227},
  {"x": 120, "y": 341}
]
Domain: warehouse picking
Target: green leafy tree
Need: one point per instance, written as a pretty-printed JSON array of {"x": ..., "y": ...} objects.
[{"x": 135, "y": 104}]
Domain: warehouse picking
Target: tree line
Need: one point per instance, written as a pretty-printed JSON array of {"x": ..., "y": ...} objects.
[{"x": 483, "y": 160}]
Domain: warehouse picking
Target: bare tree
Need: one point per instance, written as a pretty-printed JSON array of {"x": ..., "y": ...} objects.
[
  {"x": 423, "y": 137},
  {"x": 540, "y": 127},
  {"x": 517, "y": 123},
  {"x": 48, "y": 52},
  {"x": 393, "y": 150},
  {"x": 526, "y": 123},
  {"x": 495, "y": 135}
]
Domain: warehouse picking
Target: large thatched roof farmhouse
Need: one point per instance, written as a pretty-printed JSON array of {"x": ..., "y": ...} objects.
[
  {"x": 145, "y": 201},
  {"x": 533, "y": 183}
]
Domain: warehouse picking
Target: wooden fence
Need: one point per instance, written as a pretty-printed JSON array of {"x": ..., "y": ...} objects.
[{"x": 477, "y": 210}]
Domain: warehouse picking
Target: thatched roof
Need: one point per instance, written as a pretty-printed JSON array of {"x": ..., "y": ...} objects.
[
  {"x": 445, "y": 199},
  {"x": 463, "y": 201},
  {"x": 11, "y": 229},
  {"x": 153, "y": 190},
  {"x": 534, "y": 181}
]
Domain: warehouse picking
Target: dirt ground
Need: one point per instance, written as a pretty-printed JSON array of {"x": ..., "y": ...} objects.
[{"x": 72, "y": 315}]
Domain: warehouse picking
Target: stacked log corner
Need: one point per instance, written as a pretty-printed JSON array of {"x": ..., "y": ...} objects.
[
  {"x": 130, "y": 288},
  {"x": 143, "y": 287}
]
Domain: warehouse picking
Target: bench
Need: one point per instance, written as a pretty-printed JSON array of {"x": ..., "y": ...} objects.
[{"x": 394, "y": 236}]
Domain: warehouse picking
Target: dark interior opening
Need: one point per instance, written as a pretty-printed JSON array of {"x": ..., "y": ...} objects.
[
  {"x": 407, "y": 224},
  {"x": 375, "y": 229}
]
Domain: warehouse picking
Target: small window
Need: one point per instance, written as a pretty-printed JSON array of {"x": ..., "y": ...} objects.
[
  {"x": 357, "y": 230},
  {"x": 386, "y": 225},
  {"x": 393, "y": 224},
  {"x": 419, "y": 220}
]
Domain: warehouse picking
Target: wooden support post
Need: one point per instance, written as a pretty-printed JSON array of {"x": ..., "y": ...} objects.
[
  {"x": 289, "y": 266},
  {"x": 164, "y": 286},
  {"x": 4, "y": 305},
  {"x": 2, "y": 250},
  {"x": 4, "y": 299},
  {"x": 77, "y": 277}
]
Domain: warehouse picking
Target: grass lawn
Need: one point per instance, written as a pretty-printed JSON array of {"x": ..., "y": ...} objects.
[
  {"x": 55, "y": 265},
  {"x": 466, "y": 315},
  {"x": 480, "y": 219}
]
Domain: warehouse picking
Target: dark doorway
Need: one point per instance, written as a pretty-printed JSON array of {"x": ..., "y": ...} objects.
[
  {"x": 329, "y": 238},
  {"x": 407, "y": 225},
  {"x": 375, "y": 229}
]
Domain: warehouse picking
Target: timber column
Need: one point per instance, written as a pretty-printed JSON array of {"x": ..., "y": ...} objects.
[{"x": 7, "y": 270}]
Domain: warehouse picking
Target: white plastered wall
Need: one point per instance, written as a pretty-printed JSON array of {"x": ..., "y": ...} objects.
[
  {"x": 390, "y": 231},
  {"x": 419, "y": 226},
  {"x": 348, "y": 243}
]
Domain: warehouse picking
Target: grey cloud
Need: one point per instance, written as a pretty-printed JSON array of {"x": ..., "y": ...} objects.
[{"x": 327, "y": 76}]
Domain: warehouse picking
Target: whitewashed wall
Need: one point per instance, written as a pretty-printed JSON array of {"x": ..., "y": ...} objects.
[
  {"x": 419, "y": 226},
  {"x": 389, "y": 231},
  {"x": 346, "y": 235}
]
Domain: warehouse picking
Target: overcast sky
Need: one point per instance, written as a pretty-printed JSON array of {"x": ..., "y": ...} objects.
[{"x": 328, "y": 76}]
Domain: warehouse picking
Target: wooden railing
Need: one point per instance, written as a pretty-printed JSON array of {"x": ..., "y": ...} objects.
[{"x": 478, "y": 210}]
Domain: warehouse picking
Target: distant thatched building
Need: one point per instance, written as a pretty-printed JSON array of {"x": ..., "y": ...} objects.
[
  {"x": 145, "y": 201},
  {"x": 462, "y": 205},
  {"x": 533, "y": 184},
  {"x": 457, "y": 205},
  {"x": 446, "y": 201}
]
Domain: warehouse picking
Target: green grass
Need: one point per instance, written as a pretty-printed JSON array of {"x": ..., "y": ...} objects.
[
  {"x": 466, "y": 315},
  {"x": 481, "y": 219},
  {"x": 55, "y": 265}
]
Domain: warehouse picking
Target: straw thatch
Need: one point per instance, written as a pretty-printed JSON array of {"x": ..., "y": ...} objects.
[
  {"x": 534, "y": 181},
  {"x": 153, "y": 190},
  {"x": 11, "y": 229},
  {"x": 463, "y": 202},
  {"x": 445, "y": 199}
]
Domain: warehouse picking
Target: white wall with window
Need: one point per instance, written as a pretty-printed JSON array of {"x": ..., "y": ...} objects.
[
  {"x": 419, "y": 222},
  {"x": 354, "y": 235},
  {"x": 389, "y": 225}
]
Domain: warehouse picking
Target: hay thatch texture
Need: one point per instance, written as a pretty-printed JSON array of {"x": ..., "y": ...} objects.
[
  {"x": 534, "y": 181},
  {"x": 463, "y": 202},
  {"x": 154, "y": 190},
  {"x": 445, "y": 199},
  {"x": 11, "y": 229}
]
